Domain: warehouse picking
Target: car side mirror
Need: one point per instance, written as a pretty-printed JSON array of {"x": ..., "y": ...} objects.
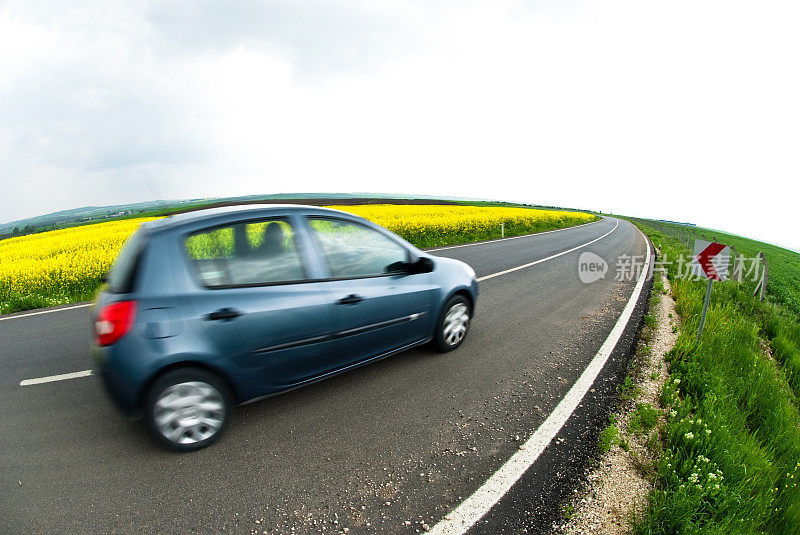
[{"x": 423, "y": 264}]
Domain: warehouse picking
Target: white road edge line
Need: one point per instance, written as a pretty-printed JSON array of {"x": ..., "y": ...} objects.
[
  {"x": 62, "y": 377},
  {"x": 485, "y": 242},
  {"x": 529, "y": 264},
  {"x": 44, "y": 312},
  {"x": 475, "y": 507},
  {"x": 53, "y": 378}
]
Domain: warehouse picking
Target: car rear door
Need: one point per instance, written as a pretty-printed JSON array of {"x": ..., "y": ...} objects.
[
  {"x": 377, "y": 309},
  {"x": 271, "y": 324}
]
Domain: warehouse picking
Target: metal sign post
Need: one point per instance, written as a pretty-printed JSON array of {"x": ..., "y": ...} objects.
[
  {"x": 761, "y": 287},
  {"x": 705, "y": 309},
  {"x": 710, "y": 260}
]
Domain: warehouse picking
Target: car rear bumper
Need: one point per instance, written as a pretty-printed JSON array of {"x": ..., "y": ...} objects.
[{"x": 123, "y": 394}]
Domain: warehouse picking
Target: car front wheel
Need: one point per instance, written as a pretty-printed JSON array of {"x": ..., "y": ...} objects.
[
  {"x": 188, "y": 409},
  {"x": 453, "y": 324}
]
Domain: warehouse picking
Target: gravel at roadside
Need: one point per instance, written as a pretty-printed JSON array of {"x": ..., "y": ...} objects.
[{"x": 617, "y": 486}]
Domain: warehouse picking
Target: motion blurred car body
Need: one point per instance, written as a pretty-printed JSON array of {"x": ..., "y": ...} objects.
[{"x": 208, "y": 309}]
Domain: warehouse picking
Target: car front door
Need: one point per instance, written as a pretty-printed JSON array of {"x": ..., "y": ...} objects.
[
  {"x": 272, "y": 325},
  {"x": 378, "y": 308}
]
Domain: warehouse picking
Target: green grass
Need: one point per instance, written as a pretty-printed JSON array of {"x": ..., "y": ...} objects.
[
  {"x": 731, "y": 458},
  {"x": 784, "y": 275},
  {"x": 628, "y": 389},
  {"x": 643, "y": 419},
  {"x": 18, "y": 302},
  {"x": 567, "y": 511},
  {"x": 784, "y": 265},
  {"x": 608, "y": 438}
]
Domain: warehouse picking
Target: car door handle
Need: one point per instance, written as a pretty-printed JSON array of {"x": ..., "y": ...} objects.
[
  {"x": 226, "y": 314},
  {"x": 351, "y": 299}
]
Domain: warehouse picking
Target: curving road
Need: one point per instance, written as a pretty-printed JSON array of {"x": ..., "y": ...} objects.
[{"x": 392, "y": 447}]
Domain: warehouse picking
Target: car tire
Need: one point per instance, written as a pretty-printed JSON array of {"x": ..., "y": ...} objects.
[
  {"x": 188, "y": 409},
  {"x": 453, "y": 324}
]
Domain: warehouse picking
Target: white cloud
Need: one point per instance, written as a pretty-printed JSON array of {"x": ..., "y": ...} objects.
[
  {"x": 318, "y": 37},
  {"x": 679, "y": 110}
]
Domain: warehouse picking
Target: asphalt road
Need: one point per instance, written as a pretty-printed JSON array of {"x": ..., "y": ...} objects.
[{"x": 384, "y": 448}]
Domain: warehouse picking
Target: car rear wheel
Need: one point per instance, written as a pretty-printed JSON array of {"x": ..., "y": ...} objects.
[
  {"x": 188, "y": 409},
  {"x": 453, "y": 324}
]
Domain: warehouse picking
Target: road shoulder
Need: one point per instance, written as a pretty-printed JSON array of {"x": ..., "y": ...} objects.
[
  {"x": 617, "y": 485},
  {"x": 532, "y": 505}
]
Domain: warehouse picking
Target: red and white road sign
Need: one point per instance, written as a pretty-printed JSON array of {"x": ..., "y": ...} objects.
[{"x": 711, "y": 260}]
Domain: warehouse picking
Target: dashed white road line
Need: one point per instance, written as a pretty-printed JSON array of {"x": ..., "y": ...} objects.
[
  {"x": 529, "y": 264},
  {"x": 83, "y": 305},
  {"x": 475, "y": 507},
  {"x": 54, "y": 378}
]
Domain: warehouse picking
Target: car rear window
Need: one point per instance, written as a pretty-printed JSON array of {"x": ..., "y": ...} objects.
[
  {"x": 246, "y": 253},
  {"x": 122, "y": 277}
]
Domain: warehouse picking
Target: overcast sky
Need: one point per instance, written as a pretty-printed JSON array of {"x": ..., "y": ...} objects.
[{"x": 678, "y": 110}]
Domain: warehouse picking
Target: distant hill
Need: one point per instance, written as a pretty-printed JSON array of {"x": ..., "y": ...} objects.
[
  {"x": 86, "y": 214},
  {"x": 92, "y": 214}
]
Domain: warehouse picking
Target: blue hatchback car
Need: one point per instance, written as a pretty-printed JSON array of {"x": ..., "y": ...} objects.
[{"x": 209, "y": 309}]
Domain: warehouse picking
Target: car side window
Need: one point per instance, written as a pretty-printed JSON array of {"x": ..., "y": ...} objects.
[
  {"x": 242, "y": 254},
  {"x": 354, "y": 250}
]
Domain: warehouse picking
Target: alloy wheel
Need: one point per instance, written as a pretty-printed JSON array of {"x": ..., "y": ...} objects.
[{"x": 190, "y": 412}]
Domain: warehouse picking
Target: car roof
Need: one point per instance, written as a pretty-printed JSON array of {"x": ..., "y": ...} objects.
[{"x": 223, "y": 213}]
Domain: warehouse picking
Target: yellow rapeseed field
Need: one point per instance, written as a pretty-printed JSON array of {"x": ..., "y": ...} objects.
[
  {"x": 59, "y": 266},
  {"x": 63, "y": 266},
  {"x": 437, "y": 225}
]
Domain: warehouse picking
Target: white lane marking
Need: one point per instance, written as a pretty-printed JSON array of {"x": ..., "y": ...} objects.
[
  {"x": 529, "y": 264},
  {"x": 463, "y": 517},
  {"x": 44, "y": 312},
  {"x": 87, "y": 372},
  {"x": 511, "y": 237},
  {"x": 53, "y": 378}
]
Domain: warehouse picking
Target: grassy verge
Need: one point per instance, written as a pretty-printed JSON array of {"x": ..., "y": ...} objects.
[
  {"x": 784, "y": 283},
  {"x": 731, "y": 441}
]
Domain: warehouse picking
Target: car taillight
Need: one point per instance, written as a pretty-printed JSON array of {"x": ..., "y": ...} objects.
[{"x": 114, "y": 321}]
